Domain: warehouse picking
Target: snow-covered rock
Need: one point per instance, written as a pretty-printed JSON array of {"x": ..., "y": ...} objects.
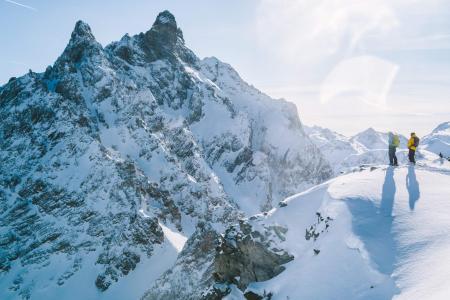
[{"x": 112, "y": 157}]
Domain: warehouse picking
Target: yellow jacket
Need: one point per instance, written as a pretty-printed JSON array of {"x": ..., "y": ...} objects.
[{"x": 411, "y": 143}]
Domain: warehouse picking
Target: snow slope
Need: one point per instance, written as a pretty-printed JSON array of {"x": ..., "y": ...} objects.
[{"x": 382, "y": 234}]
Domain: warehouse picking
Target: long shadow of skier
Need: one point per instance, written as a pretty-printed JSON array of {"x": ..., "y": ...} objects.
[
  {"x": 373, "y": 225},
  {"x": 412, "y": 185},
  {"x": 388, "y": 193}
]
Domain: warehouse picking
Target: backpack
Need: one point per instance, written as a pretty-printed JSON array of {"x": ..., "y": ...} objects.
[
  {"x": 395, "y": 140},
  {"x": 416, "y": 141}
]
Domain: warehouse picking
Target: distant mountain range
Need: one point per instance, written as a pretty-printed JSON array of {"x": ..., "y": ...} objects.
[{"x": 370, "y": 146}]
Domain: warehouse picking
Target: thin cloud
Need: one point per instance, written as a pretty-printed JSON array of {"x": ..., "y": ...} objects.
[
  {"x": 427, "y": 42},
  {"x": 304, "y": 32},
  {"x": 21, "y": 5},
  {"x": 368, "y": 76}
]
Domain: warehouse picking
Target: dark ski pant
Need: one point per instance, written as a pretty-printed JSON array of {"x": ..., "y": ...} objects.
[
  {"x": 411, "y": 156},
  {"x": 392, "y": 156}
]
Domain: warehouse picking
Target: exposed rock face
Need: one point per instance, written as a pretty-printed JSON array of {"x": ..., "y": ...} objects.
[
  {"x": 163, "y": 37},
  {"x": 245, "y": 256},
  {"x": 110, "y": 143},
  {"x": 211, "y": 262},
  {"x": 82, "y": 44},
  {"x": 191, "y": 276}
]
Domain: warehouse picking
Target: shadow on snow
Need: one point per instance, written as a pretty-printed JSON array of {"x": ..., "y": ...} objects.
[
  {"x": 373, "y": 225},
  {"x": 412, "y": 185}
]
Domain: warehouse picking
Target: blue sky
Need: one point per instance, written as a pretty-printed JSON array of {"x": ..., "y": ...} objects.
[{"x": 347, "y": 64}]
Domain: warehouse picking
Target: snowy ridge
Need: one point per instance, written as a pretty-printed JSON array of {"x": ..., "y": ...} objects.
[{"x": 369, "y": 235}]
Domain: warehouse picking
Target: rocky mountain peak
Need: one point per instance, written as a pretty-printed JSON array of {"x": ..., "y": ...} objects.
[
  {"x": 81, "y": 32},
  {"x": 164, "y": 37},
  {"x": 166, "y": 18},
  {"x": 163, "y": 41},
  {"x": 165, "y": 31},
  {"x": 82, "y": 43}
]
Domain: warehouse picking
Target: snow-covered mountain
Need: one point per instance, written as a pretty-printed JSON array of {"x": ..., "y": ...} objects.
[
  {"x": 438, "y": 141},
  {"x": 376, "y": 234},
  {"x": 346, "y": 153},
  {"x": 371, "y": 139},
  {"x": 138, "y": 170},
  {"x": 115, "y": 156}
]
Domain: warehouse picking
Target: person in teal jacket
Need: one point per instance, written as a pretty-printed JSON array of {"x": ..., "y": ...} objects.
[{"x": 394, "y": 142}]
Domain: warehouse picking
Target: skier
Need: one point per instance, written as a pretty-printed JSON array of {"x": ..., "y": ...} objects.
[
  {"x": 394, "y": 142},
  {"x": 413, "y": 143},
  {"x": 441, "y": 158}
]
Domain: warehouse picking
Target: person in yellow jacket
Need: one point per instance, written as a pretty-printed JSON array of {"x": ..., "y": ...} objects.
[{"x": 413, "y": 143}]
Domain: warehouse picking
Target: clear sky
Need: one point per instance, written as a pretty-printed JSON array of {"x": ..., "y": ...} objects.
[{"x": 347, "y": 64}]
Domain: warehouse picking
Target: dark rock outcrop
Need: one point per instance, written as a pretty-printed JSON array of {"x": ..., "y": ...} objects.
[{"x": 245, "y": 256}]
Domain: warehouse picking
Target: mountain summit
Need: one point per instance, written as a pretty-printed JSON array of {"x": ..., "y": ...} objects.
[
  {"x": 81, "y": 31},
  {"x": 82, "y": 46},
  {"x": 166, "y": 25},
  {"x": 163, "y": 37}
]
